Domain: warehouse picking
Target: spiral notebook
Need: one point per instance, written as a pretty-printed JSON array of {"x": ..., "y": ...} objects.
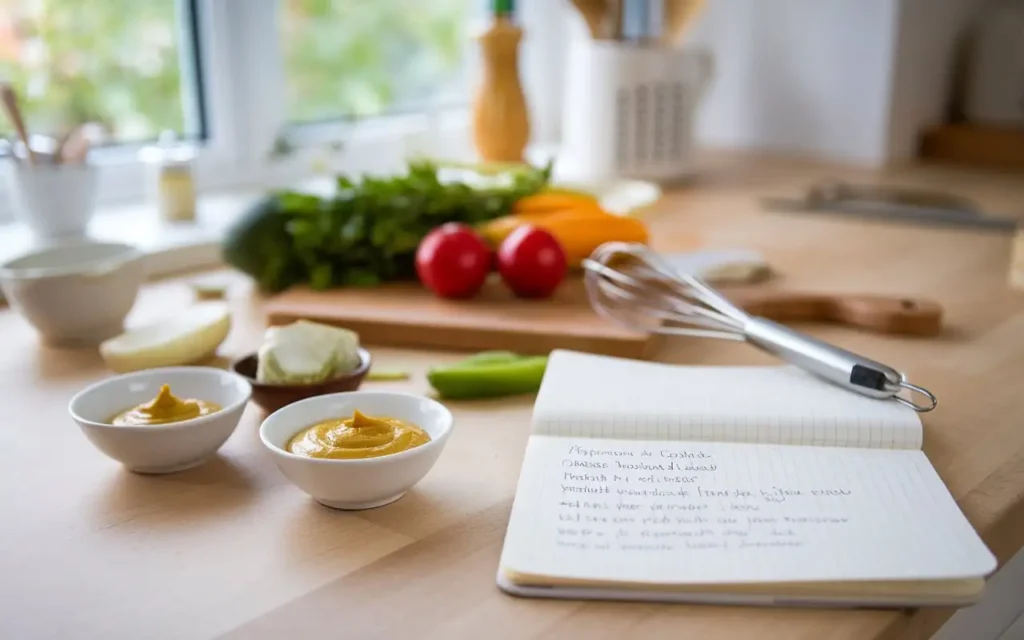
[{"x": 743, "y": 485}]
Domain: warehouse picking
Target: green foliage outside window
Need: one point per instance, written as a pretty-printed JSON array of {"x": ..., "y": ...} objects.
[
  {"x": 109, "y": 61},
  {"x": 121, "y": 62},
  {"x": 369, "y": 57}
]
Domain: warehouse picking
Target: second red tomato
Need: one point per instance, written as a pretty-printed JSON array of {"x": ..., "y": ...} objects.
[{"x": 531, "y": 262}]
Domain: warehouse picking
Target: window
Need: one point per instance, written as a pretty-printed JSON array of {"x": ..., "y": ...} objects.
[
  {"x": 118, "y": 63},
  {"x": 234, "y": 75},
  {"x": 345, "y": 59}
]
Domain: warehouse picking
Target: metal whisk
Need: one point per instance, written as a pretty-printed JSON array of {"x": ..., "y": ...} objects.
[{"x": 633, "y": 286}]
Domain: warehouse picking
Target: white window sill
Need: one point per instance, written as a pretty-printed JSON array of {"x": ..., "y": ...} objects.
[{"x": 169, "y": 247}]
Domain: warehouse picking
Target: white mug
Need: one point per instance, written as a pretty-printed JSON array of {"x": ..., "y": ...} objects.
[
  {"x": 54, "y": 200},
  {"x": 629, "y": 110}
]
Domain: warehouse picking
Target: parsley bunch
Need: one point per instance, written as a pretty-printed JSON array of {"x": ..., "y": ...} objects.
[{"x": 367, "y": 233}]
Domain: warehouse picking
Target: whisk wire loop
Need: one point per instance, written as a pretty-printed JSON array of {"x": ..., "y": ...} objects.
[
  {"x": 635, "y": 287},
  {"x": 631, "y": 285}
]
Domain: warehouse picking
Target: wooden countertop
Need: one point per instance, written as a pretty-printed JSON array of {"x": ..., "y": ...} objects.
[{"x": 231, "y": 548}]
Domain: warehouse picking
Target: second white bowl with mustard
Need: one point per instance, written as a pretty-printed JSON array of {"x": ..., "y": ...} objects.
[{"x": 359, "y": 483}]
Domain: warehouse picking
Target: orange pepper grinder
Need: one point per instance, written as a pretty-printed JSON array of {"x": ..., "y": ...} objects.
[{"x": 501, "y": 124}]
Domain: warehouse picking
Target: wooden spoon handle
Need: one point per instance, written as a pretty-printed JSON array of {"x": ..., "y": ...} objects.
[
  {"x": 678, "y": 15},
  {"x": 10, "y": 102},
  {"x": 595, "y": 13},
  {"x": 75, "y": 148},
  {"x": 907, "y": 316}
]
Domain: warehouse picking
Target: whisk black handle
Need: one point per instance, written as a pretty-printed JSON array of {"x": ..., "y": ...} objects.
[{"x": 849, "y": 370}]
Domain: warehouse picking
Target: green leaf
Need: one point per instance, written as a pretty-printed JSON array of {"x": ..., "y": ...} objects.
[
  {"x": 359, "y": 278},
  {"x": 320, "y": 277}
]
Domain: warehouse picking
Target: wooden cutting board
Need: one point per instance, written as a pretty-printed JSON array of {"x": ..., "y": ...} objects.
[{"x": 407, "y": 315}]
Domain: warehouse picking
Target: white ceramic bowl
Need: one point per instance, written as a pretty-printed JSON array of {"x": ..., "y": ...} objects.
[
  {"x": 363, "y": 483},
  {"x": 74, "y": 293},
  {"x": 161, "y": 448}
]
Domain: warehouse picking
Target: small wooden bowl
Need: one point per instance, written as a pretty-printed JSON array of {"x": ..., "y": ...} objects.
[{"x": 270, "y": 396}]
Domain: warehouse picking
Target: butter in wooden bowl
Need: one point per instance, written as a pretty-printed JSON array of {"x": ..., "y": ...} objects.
[
  {"x": 360, "y": 436},
  {"x": 165, "y": 408},
  {"x": 306, "y": 352},
  {"x": 303, "y": 360}
]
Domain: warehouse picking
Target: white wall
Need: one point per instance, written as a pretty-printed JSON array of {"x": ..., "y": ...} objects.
[
  {"x": 850, "y": 80},
  {"x": 802, "y": 76},
  {"x": 929, "y": 31},
  {"x": 543, "y": 78}
]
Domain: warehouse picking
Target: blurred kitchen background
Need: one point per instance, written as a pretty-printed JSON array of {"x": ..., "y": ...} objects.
[{"x": 268, "y": 92}]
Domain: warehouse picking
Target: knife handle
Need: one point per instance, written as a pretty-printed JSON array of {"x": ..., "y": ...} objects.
[{"x": 896, "y": 315}]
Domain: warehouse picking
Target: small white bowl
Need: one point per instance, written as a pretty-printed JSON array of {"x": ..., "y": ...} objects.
[
  {"x": 361, "y": 483},
  {"x": 161, "y": 448},
  {"x": 74, "y": 293}
]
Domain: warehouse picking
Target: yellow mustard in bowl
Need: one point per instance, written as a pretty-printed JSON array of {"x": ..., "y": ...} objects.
[
  {"x": 165, "y": 408},
  {"x": 360, "y": 436}
]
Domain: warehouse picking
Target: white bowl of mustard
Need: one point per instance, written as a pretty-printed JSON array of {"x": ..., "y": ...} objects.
[
  {"x": 349, "y": 461},
  {"x": 162, "y": 420}
]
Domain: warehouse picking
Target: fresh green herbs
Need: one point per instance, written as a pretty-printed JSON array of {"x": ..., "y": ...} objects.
[{"x": 368, "y": 231}]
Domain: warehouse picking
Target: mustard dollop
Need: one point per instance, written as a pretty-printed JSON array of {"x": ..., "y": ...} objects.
[
  {"x": 164, "y": 409},
  {"x": 360, "y": 436}
]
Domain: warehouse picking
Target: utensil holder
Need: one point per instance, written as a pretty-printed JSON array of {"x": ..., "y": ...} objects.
[
  {"x": 54, "y": 201},
  {"x": 629, "y": 110}
]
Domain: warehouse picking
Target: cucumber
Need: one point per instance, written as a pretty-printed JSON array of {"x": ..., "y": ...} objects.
[{"x": 491, "y": 377}]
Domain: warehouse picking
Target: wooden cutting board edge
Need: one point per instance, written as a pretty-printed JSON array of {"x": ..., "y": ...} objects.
[{"x": 390, "y": 334}]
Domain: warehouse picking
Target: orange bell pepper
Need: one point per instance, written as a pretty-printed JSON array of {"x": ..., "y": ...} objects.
[{"x": 579, "y": 231}]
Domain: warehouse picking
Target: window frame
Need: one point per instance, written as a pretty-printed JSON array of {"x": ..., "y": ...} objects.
[{"x": 240, "y": 69}]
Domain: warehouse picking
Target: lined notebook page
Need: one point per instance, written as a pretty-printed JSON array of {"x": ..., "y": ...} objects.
[
  {"x": 603, "y": 397},
  {"x": 690, "y": 513}
]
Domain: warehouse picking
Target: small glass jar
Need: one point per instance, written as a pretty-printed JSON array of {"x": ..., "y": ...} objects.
[{"x": 170, "y": 181}]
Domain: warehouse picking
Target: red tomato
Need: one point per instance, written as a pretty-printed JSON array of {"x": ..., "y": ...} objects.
[
  {"x": 453, "y": 261},
  {"x": 531, "y": 262}
]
